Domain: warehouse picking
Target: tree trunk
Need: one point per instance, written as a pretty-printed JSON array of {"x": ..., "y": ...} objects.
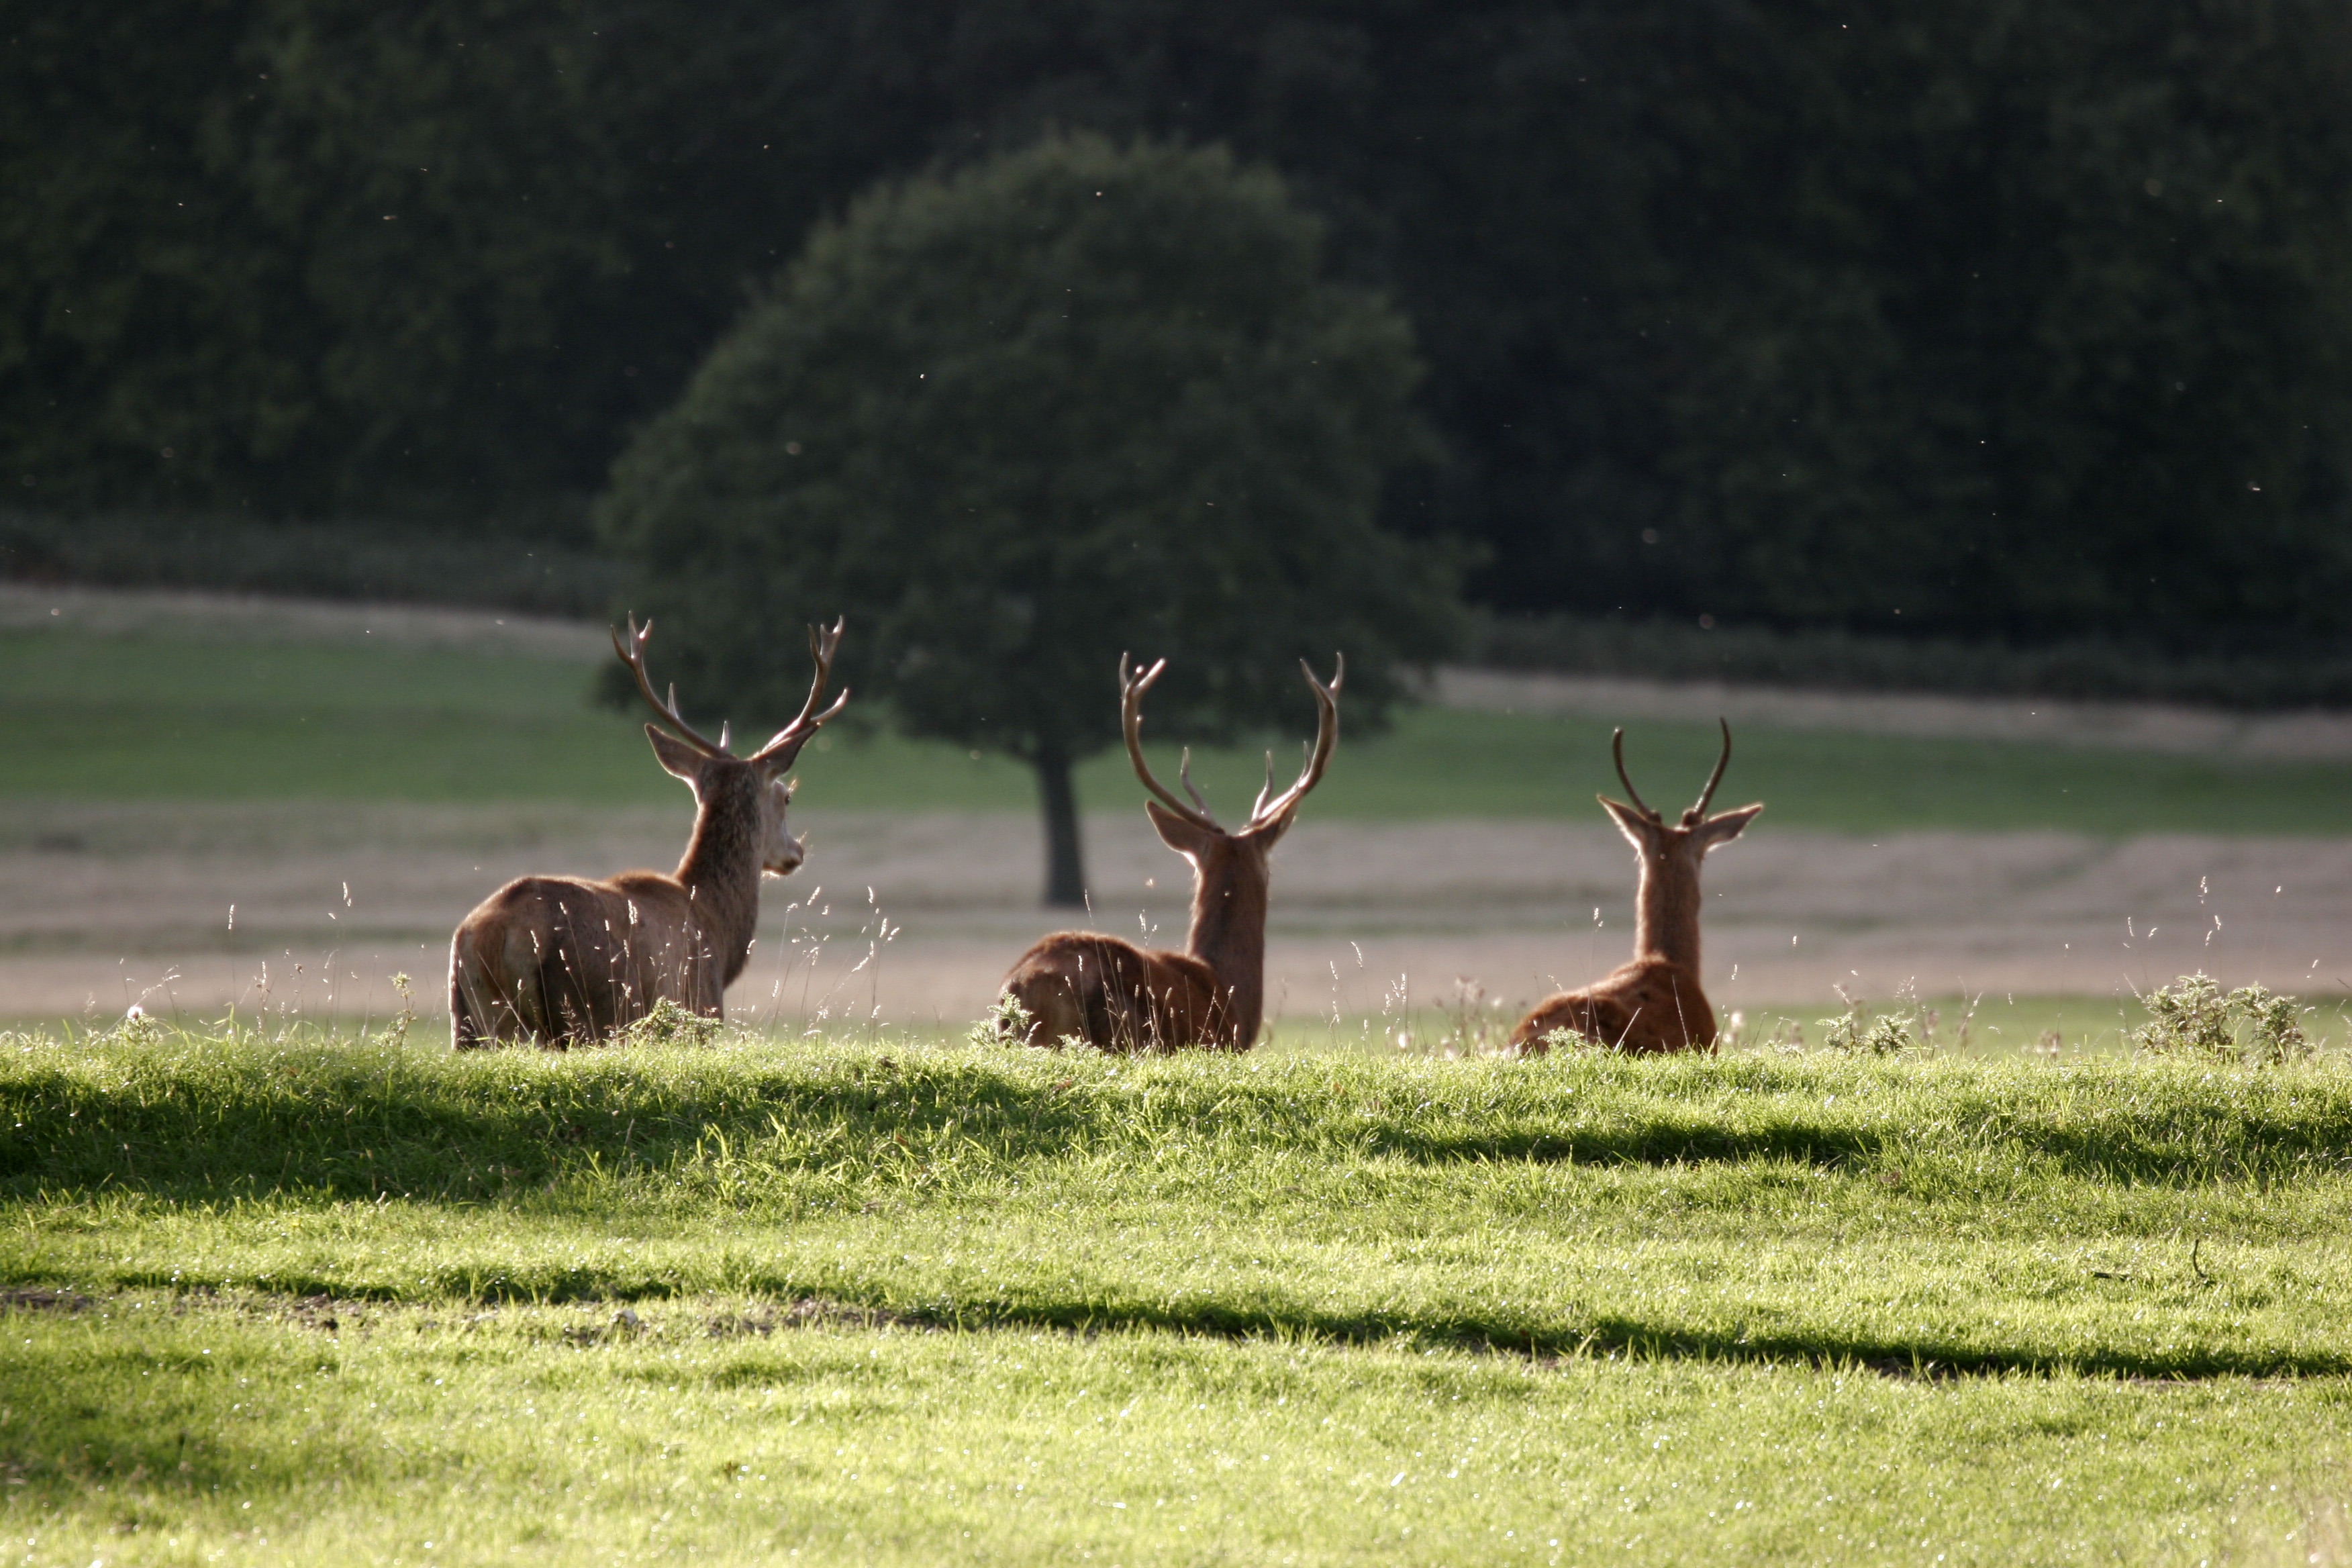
[{"x": 1066, "y": 874}]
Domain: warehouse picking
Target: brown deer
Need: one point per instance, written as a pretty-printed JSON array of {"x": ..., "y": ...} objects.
[
  {"x": 1116, "y": 996},
  {"x": 564, "y": 960},
  {"x": 1654, "y": 1003}
]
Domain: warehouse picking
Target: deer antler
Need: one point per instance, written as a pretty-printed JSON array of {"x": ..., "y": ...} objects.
[
  {"x": 1133, "y": 685},
  {"x": 1691, "y": 817},
  {"x": 633, "y": 653},
  {"x": 1617, "y": 750},
  {"x": 786, "y": 743},
  {"x": 1184, "y": 777},
  {"x": 1327, "y": 737}
]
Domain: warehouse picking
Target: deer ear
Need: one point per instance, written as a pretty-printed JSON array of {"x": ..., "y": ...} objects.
[
  {"x": 1187, "y": 839},
  {"x": 677, "y": 758},
  {"x": 1636, "y": 827},
  {"x": 1723, "y": 827}
]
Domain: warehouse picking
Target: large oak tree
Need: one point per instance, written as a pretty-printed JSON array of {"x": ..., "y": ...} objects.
[{"x": 1015, "y": 420}]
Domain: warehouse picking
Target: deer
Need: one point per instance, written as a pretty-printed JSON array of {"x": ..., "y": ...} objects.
[
  {"x": 1654, "y": 1003},
  {"x": 564, "y": 960},
  {"x": 1120, "y": 998}
]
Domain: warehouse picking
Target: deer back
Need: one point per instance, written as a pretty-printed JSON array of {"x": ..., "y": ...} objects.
[
  {"x": 566, "y": 961},
  {"x": 1109, "y": 994},
  {"x": 1655, "y": 1002},
  {"x": 1117, "y": 996}
]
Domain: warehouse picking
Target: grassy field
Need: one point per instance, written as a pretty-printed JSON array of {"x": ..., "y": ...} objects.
[
  {"x": 287, "y": 1300},
  {"x": 94, "y": 717}
]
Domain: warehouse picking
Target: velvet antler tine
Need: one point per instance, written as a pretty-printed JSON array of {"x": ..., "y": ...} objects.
[
  {"x": 1131, "y": 688},
  {"x": 1617, "y": 750},
  {"x": 1713, "y": 779}
]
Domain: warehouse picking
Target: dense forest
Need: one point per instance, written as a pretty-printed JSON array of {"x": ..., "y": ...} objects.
[{"x": 1982, "y": 320}]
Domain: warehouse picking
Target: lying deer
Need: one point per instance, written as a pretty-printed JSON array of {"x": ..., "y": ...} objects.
[
  {"x": 1116, "y": 996},
  {"x": 1654, "y": 1003},
  {"x": 564, "y": 960}
]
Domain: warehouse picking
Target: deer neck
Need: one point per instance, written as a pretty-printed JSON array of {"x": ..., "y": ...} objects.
[
  {"x": 1666, "y": 911},
  {"x": 720, "y": 871},
  {"x": 1228, "y": 902}
]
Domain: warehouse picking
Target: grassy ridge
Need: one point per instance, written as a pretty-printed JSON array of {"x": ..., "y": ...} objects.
[
  {"x": 277, "y": 1300},
  {"x": 1801, "y": 1208},
  {"x": 106, "y": 718}
]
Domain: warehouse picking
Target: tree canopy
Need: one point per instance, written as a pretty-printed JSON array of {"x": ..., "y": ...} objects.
[
  {"x": 1075, "y": 401},
  {"x": 2018, "y": 321}
]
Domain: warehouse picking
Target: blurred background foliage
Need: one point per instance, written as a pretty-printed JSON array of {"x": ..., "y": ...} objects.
[{"x": 1986, "y": 320}]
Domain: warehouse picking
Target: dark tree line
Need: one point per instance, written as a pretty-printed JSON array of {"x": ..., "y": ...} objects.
[{"x": 1982, "y": 317}]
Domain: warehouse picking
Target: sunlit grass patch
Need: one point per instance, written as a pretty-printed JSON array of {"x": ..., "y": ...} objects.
[
  {"x": 286, "y": 1298},
  {"x": 164, "y": 1429}
]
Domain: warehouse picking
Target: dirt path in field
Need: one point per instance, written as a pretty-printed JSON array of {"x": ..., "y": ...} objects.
[{"x": 104, "y": 905}]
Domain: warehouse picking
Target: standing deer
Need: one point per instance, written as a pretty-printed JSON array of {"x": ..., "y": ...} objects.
[
  {"x": 1654, "y": 1003},
  {"x": 564, "y": 960},
  {"x": 1116, "y": 996}
]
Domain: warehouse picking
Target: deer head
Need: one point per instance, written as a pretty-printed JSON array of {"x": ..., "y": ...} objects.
[
  {"x": 1225, "y": 863},
  {"x": 755, "y": 787},
  {"x": 1666, "y": 904},
  {"x": 1689, "y": 838}
]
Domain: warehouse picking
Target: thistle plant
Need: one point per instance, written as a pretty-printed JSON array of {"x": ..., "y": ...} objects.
[
  {"x": 1006, "y": 1023},
  {"x": 2192, "y": 1016},
  {"x": 138, "y": 1028},
  {"x": 2271, "y": 1026},
  {"x": 670, "y": 1023},
  {"x": 408, "y": 1016},
  {"x": 1859, "y": 1032}
]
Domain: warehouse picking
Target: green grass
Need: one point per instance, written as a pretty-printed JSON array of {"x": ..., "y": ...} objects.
[
  {"x": 1988, "y": 1025},
  {"x": 887, "y": 1303},
  {"x": 152, "y": 719}
]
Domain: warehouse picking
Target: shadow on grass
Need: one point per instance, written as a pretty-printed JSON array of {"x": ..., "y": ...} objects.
[
  {"x": 1606, "y": 1336},
  {"x": 172, "y": 1443},
  {"x": 134, "y": 1421},
  {"x": 310, "y": 1130},
  {"x": 338, "y": 1124}
]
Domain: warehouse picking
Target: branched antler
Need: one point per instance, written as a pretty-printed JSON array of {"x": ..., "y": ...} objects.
[
  {"x": 1133, "y": 682},
  {"x": 786, "y": 743},
  {"x": 1326, "y": 738},
  {"x": 779, "y": 752},
  {"x": 633, "y": 653}
]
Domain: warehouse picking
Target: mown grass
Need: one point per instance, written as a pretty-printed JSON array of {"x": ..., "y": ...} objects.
[
  {"x": 93, "y": 717},
  {"x": 873, "y": 1302}
]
